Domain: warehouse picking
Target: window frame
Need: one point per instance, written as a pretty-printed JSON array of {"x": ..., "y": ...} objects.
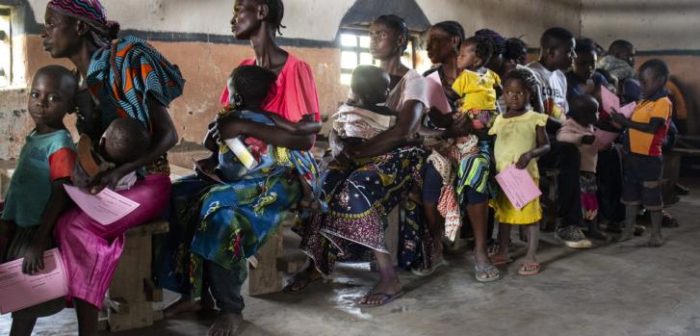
[
  {"x": 6, "y": 12},
  {"x": 359, "y": 32}
]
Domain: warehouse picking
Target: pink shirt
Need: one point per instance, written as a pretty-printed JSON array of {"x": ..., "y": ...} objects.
[{"x": 294, "y": 94}]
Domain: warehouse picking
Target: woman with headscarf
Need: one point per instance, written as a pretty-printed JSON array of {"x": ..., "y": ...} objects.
[
  {"x": 216, "y": 227},
  {"x": 122, "y": 78}
]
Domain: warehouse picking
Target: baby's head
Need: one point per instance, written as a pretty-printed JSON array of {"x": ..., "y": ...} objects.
[
  {"x": 583, "y": 109},
  {"x": 370, "y": 84},
  {"x": 125, "y": 140},
  {"x": 249, "y": 86},
  {"x": 474, "y": 53},
  {"x": 52, "y": 95}
]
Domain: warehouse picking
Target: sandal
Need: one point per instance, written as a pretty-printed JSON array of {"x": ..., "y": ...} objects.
[
  {"x": 529, "y": 268},
  {"x": 385, "y": 298},
  {"x": 486, "y": 273}
]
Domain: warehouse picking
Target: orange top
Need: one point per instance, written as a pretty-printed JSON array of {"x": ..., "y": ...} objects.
[{"x": 646, "y": 143}]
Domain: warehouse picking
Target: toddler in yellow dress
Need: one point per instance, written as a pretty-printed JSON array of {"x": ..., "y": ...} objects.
[{"x": 520, "y": 140}]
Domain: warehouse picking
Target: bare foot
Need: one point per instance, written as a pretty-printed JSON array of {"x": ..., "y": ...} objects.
[
  {"x": 184, "y": 305},
  {"x": 226, "y": 325}
]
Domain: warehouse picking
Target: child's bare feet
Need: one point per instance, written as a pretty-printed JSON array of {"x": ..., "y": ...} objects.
[{"x": 227, "y": 324}]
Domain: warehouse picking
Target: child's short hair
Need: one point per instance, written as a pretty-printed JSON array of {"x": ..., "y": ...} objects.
[
  {"x": 370, "y": 83},
  {"x": 61, "y": 74},
  {"x": 252, "y": 84},
  {"x": 484, "y": 47},
  {"x": 583, "y": 108},
  {"x": 555, "y": 37},
  {"x": 658, "y": 66},
  {"x": 126, "y": 140},
  {"x": 525, "y": 76}
]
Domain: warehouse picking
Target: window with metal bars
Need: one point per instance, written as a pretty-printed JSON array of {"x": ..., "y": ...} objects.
[{"x": 354, "y": 51}]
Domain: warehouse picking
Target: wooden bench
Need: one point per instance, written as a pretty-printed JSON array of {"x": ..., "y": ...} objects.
[{"x": 132, "y": 291}]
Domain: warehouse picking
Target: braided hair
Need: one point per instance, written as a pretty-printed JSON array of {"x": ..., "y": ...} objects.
[
  {"x": 397, "y": 24},
  {"x": 275, "y": 14},
  {"x": 452, "y": 28},
  {"x": 526, "y": 77},
  {"x": 515, "y": 49}
]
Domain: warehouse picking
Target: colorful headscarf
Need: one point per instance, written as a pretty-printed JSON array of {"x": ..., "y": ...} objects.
[{"x": 91, "y": 12}]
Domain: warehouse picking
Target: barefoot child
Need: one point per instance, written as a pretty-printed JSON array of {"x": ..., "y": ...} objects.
[
  {"x": 578, "y": 130},
  {"x": 249, "y": 86},
  {"x": 520, "y": 140},
  {"x": 36, "y": 196},
  {"x": 643, "y": 163}
]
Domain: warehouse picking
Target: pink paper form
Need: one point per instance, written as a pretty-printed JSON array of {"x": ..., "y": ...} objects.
[
  {"x": 518, "y": 186},
  {"x": 604, "y": 138},
  {"x": 609, "y": 100},
  {"x": 106, "y": 207},
  {"x": 19, "y": 290}
]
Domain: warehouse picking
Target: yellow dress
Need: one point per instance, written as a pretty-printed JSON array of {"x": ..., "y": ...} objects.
[{"x": 514, "y": 137}]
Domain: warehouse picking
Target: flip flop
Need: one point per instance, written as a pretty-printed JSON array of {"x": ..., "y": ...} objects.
[
  {"x": 529, "y": 268},
  {"x": 498, "y": 260},
  {"x": 385, "y": 298},
  {"x": 481, "y": 273}
]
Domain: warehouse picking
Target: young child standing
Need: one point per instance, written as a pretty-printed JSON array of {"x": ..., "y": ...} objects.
[
  {"x": 477, "y": 86},
  {"x": 643, "y": 163},
  {"x": 36, "y": 196},
  {"x": 520, "y": 140},
  {"x": 578, "y": 130}
]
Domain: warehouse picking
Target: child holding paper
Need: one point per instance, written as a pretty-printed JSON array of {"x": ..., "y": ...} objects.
[
  {"x": 643, "y": 163},
  {"x": 36, "y": 196},
  {"x": 520, "y": 140},
  {"x": 578, "y": 130}
]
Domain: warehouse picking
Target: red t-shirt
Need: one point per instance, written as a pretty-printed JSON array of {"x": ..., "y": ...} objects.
[{"x": 294, "y": 94}]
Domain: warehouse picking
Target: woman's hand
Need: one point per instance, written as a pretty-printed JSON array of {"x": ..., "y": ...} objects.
[
  {"x": 524, "y": 160},
  {"x": 109, "y": 179},
  {"x": 34, "y": 255},
  {"x": 228, "y": 128}
]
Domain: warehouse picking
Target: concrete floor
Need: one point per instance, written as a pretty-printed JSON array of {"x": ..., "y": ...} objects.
[{"x": 617, "y": 289}]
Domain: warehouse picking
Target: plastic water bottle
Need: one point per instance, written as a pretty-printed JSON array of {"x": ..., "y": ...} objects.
[{"x": 242, "y": 153}]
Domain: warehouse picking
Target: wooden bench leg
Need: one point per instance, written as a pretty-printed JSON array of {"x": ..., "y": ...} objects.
[
  {"x": 132, "y": 290},
  {"x": 263, "y": 275}
]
